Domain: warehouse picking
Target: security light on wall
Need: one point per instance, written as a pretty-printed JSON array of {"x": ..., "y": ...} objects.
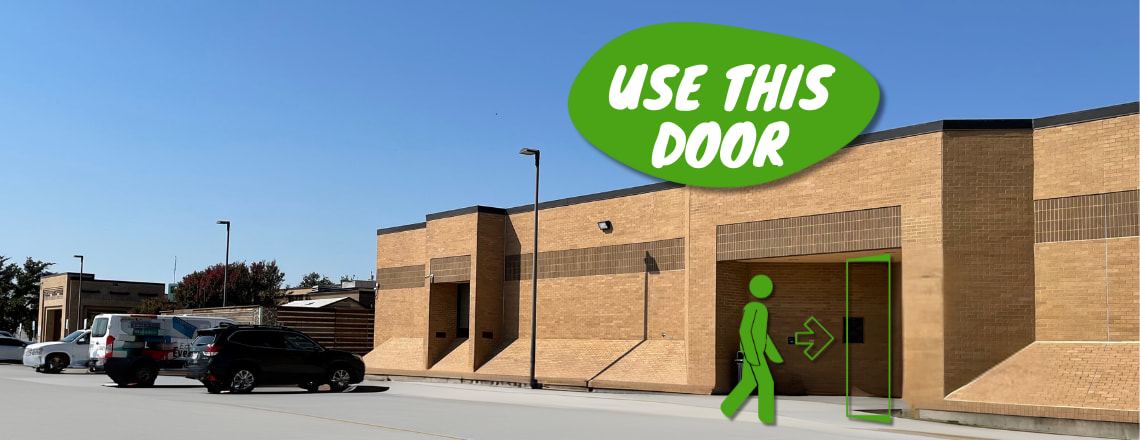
[{"x": 606, "y": 226}]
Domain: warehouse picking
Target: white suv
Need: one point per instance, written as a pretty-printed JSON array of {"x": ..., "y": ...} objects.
[{"x": 53, "y": 357}]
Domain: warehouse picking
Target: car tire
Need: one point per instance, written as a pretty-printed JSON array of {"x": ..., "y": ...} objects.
[
  {"x": 243, "y": 380},
  {"x": 339, "y": 378},
  {"x": 144, "y": 374},
  {"x": 56, "y": 363},
  {"x": 213, "y": 388}
]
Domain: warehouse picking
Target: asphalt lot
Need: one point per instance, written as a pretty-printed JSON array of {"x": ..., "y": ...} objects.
[{"x": 77, "y": 404}]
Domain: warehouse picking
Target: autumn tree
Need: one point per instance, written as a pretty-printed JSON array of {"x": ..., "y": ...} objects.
[{"x": 256, "y": 283}]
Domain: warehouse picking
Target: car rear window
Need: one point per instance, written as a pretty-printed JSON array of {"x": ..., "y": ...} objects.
[
  {"x": 250, "y": 338},
  {"x": 204, "y": 340},
  {"x": 99, "y": 327}
]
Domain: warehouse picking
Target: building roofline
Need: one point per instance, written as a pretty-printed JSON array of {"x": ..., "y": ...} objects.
[
  {"x": 606, "y": 195},
  {"x": 395, "y": 229},
  {"x": 1112, "y": 111},
  {"x": 1077, "y": 117},
  {"x": 939, "y": 126},
  {"x": 464, "y": 211},
  {"x": 88, "y": 276}
]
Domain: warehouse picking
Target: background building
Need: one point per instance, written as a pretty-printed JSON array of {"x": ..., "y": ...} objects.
[
  {"x": 1014, "y": 284},
  {"x": 362, "y": 291},
  {"x": 61, "y": 311}
]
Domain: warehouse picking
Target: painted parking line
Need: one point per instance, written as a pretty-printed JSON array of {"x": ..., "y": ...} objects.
[{"x": 409, "y": 431}]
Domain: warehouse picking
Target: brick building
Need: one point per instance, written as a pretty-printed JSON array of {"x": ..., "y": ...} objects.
[
  {"x": 1014, "y": 284},
  {"x": 60, "y": 301}
]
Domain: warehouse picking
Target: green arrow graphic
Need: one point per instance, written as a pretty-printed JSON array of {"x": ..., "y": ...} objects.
[{"x": 810, "y": 344}]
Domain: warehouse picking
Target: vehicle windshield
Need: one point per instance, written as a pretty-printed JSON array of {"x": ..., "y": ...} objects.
[
  {"x": 203, "y": 341},
  {"x": 73, "y": 335},
  {"x": 99, "y": 328}
]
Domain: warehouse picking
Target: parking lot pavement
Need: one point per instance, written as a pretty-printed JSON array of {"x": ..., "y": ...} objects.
[{"x": 77, "y": 404}]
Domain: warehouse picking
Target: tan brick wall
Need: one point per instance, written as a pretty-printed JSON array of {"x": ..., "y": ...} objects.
[
  {"x": 600, "y": 307},
  {"x": 487, "y": 288},
  {"x": 1123, "y": 289},
  {"x": 1087, "y": 287},
  {"x": 1075, "y": 300},
  {"x": 401, "y": 314},
  {"x": 1087, "y": 158},
  {"x": 401, "y": 248},
  {"x": 441, "y": 320},
  {"x": 1070, "y": 280},
  {"x": 987, "y": 209},
  {"x": 636, "y": 219}
]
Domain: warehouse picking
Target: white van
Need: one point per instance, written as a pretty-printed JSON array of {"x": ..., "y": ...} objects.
[{"x": 135, "y": 349}]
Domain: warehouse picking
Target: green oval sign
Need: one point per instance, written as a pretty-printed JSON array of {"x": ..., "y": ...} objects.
[{"x": 720, "y": 106}]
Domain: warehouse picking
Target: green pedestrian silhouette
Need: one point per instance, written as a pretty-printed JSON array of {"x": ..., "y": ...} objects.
[{"x": 758, "y": 349}]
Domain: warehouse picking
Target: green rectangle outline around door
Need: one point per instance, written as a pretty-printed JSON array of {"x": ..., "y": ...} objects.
[{"x": 883, "y": 418}]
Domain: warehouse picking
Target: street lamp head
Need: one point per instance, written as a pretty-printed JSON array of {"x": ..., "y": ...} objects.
[
  {"x": 528, "y": 152},
  {"x": 79, "y": 257},
  {"x": 223, "y": 222}
]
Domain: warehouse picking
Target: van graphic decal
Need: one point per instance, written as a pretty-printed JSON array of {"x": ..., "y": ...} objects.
[{"x": 184, "y": 327}]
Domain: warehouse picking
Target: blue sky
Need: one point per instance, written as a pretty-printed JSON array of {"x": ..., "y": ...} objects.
[{"x": 128, "y": 128}]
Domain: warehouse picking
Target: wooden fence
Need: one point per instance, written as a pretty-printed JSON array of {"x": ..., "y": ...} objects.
[
  {"x": 339, "y": 329},
  {"x": 253, "y": 315}
]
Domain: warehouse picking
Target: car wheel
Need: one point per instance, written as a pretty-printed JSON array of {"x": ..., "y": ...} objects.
[
  {"x": 340, "y": 379},
  {"x": 56, "y": 363},
  {"x": 144, "y": 375},
  {"x": 243, "y": 380}
]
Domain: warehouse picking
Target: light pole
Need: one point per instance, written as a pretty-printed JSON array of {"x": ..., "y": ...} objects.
[
  {"x": 79, "y": 297},
  {"x": 226, "y": 270},
  {"x": 534, "y": 268}
]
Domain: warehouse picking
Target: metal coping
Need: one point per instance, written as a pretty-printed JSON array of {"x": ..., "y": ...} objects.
[{"x": 863, "y": 139}]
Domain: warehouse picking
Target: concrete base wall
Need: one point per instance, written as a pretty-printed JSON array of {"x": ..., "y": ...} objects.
[{"x": 1087, "y": 428}]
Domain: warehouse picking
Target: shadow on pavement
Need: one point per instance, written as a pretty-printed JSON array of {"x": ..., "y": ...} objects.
[
  {"x": 276, "y": 390},
  {"x": 136, "y": 387},
  {"x": 366, "y": 389}
]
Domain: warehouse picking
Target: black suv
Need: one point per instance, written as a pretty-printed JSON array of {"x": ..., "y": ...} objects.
[{"x": 240, "y": 357}]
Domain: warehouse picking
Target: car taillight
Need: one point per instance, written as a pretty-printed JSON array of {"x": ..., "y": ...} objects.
[
  {"x": 110, "y": 347},
  {"x": 211, "y": 350}
]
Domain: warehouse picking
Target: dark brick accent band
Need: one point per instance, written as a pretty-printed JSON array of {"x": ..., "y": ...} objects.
[
  {"x": 877, "y": 228},
  {"x": 451, "y": 269},
  {"x": 1087, "y": 217},
  {"x": 652, "y": 257},
  {"x": 404, "y": 277}
]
